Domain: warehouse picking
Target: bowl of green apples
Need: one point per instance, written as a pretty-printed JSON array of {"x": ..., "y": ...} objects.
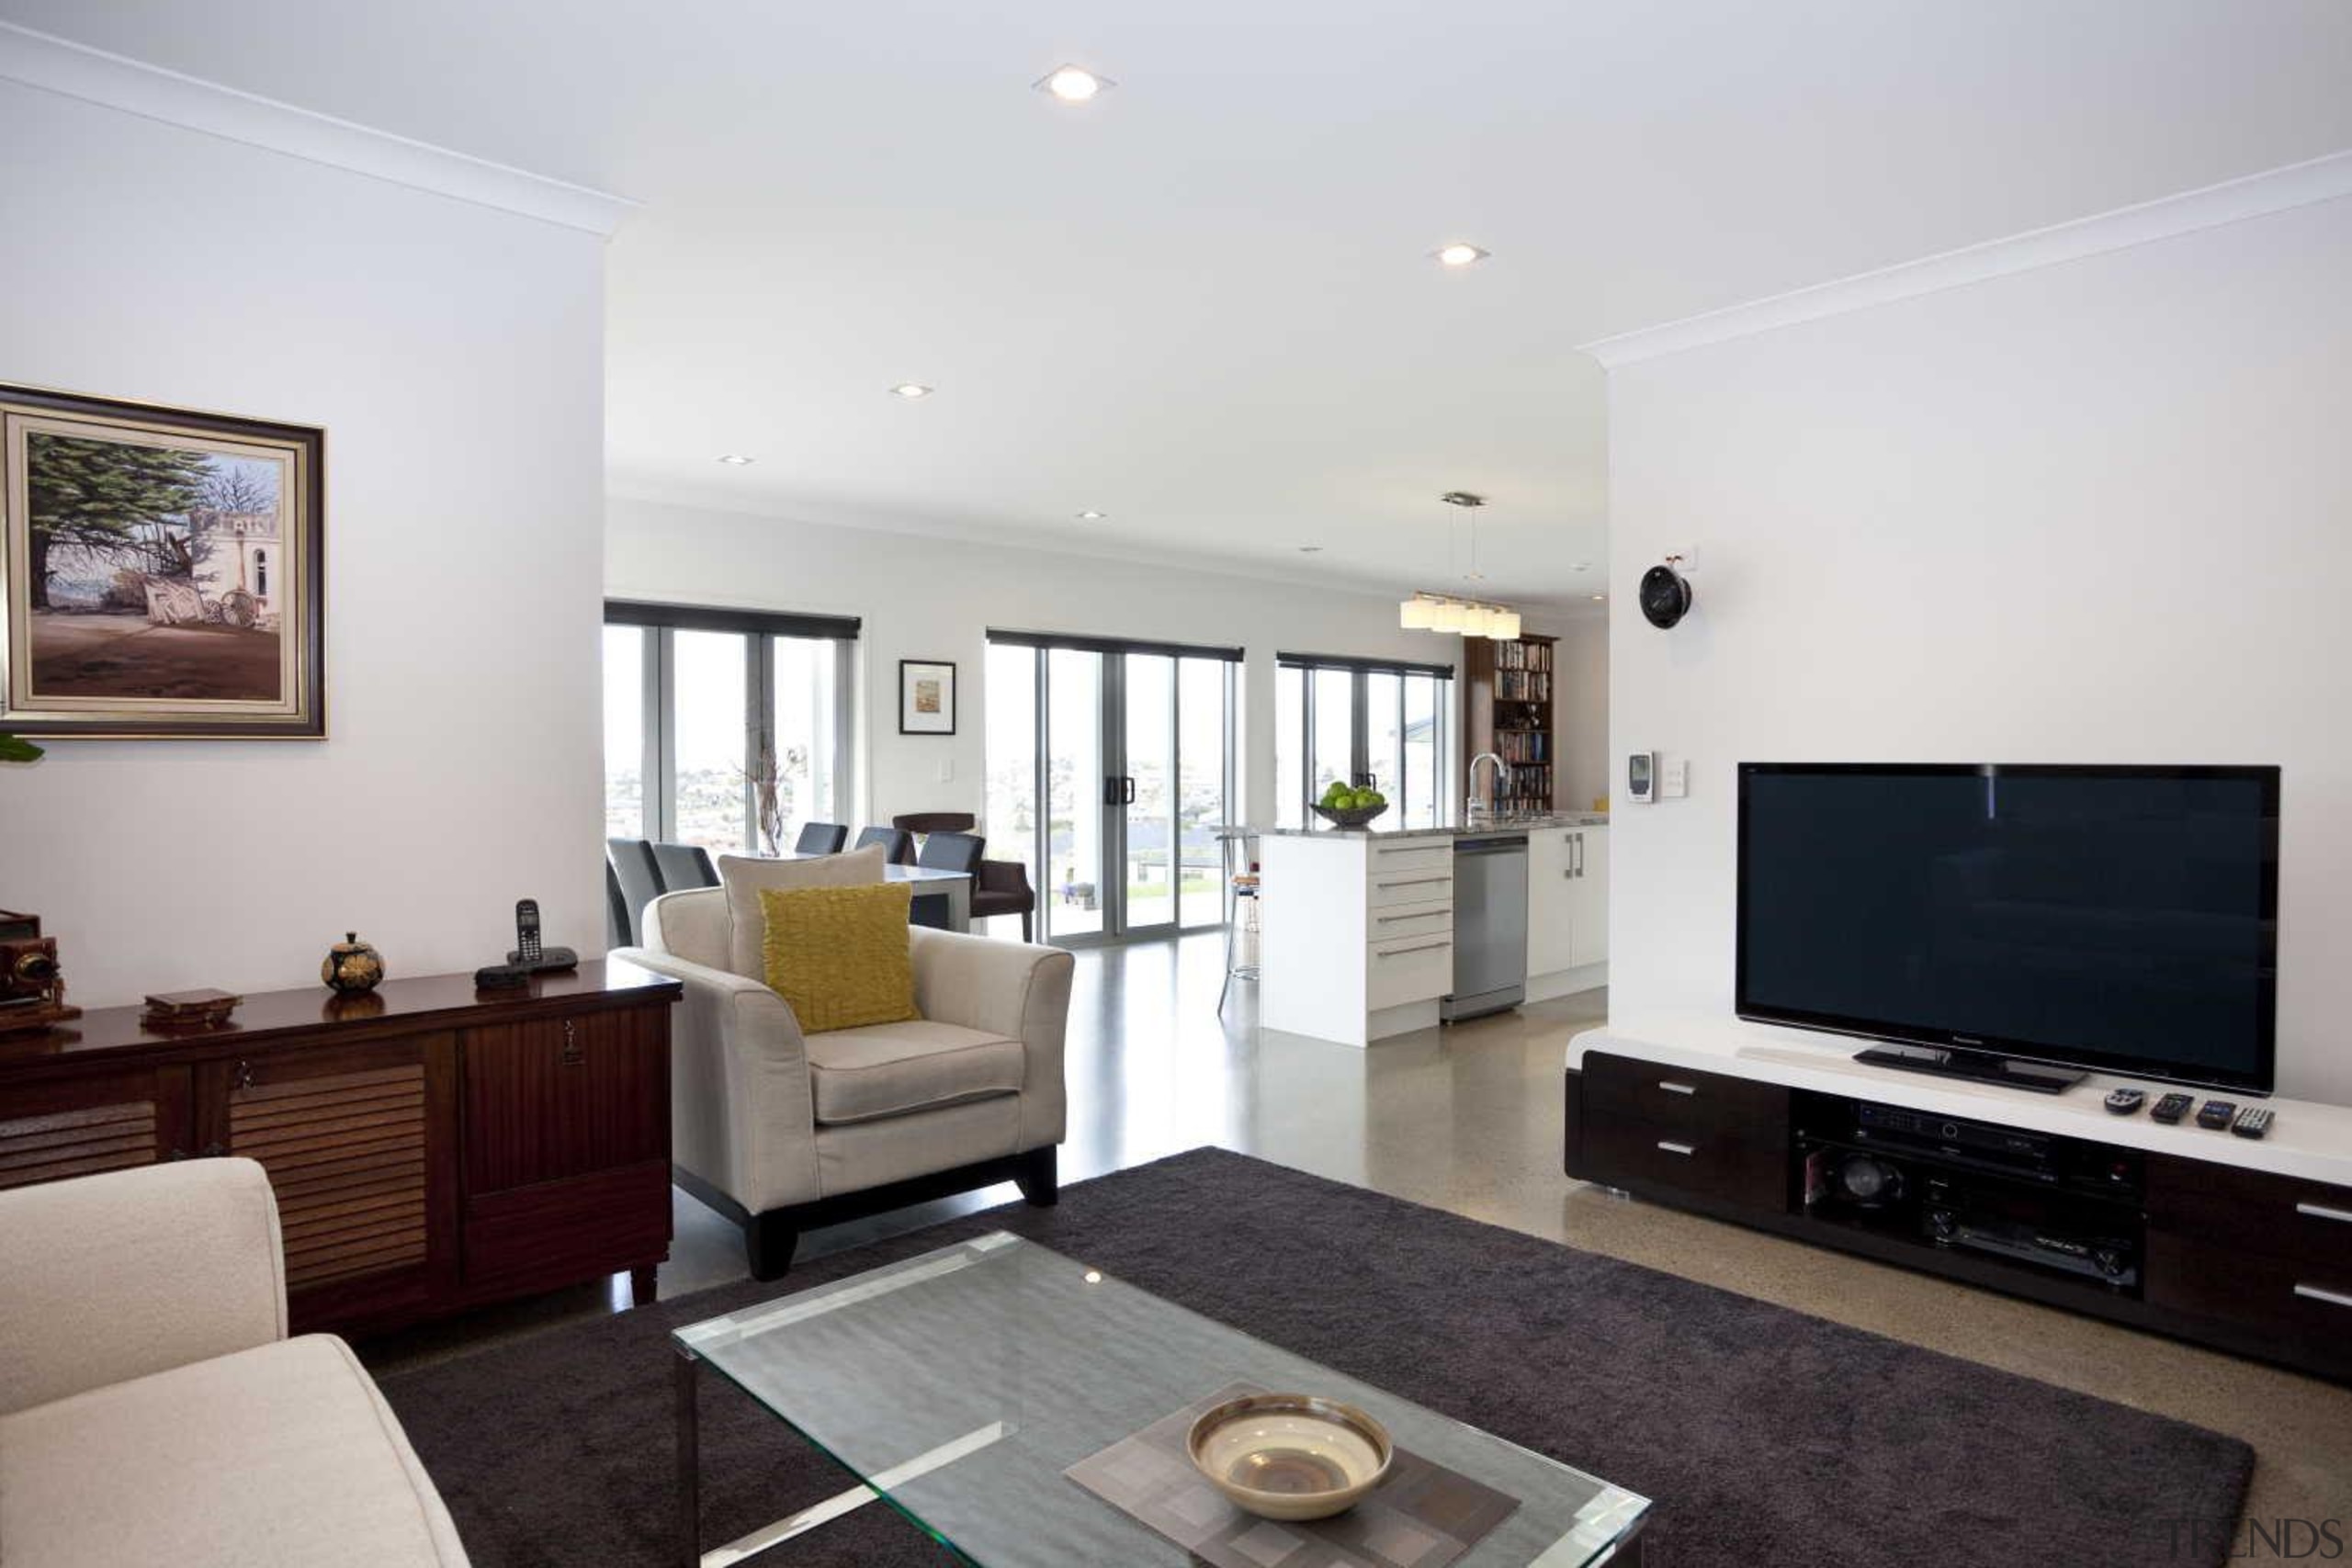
[{"x": 1343, "y": 806}]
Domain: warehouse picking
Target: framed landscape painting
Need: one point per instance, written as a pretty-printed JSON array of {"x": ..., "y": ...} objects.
[
  {"x": 160, "y": 572},
  {"x": 926, "y": 697}
]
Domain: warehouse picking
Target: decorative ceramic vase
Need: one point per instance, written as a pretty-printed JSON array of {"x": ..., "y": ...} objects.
[{"x": 353, "y": 966}]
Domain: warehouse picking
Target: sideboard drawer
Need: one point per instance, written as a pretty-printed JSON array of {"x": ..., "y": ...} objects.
[
  {"x": 2306, "y": 1223},
  {"x": 1680, "y": 1099},
  {"x": 557, "y": 1098},
  {"x": 1750, "y": 1172},
  {"x": 1701, "y": 1134}
]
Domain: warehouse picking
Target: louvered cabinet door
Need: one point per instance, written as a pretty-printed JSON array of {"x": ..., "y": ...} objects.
[
  {"x": 83, "y": 1126},
  {"x": 358, "y": 1144}
]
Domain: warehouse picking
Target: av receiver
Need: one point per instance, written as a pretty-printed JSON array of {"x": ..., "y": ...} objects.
[{"x": 2039, "y": 1199}]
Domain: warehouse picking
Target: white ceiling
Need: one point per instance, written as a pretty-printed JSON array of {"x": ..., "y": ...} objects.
[{"x": 1203, "y": 304}]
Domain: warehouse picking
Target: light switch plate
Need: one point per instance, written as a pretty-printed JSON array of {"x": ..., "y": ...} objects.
[
  {"x": 1674, "y": 779},
  {"x": 946, "y": 770}
]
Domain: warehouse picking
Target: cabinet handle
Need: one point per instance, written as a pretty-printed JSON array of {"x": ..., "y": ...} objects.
[
  {"x": 1424, "y": 947},
  {"x": 2322, "y": 1212},
  {"x": 1390, "y": 919},
  {"x": 1417, "y": 882},
  {"x": 1578, "y": 869},
  {"x": 2332, "y": 1297},
  {"x": 572, "y": 1055},
  {"x": 1672, "y": 1087},
  {"x": 242, "y": 1076},
  {"x": 1693, "y": 1148}
]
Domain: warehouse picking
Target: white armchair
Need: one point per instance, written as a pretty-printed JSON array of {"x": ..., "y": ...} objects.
[
  {"x": 783, "y": 1132},
  {"x": 152, "y": 1408}
]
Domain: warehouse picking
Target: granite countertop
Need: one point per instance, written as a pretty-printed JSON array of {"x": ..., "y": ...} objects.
[{"x": 1483, "y": 829}]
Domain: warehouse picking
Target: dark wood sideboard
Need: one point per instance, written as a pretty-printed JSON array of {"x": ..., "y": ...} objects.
[{"x": 431, "y": 1147}]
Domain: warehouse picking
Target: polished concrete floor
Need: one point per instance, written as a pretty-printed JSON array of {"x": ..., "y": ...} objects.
[{"x": 1469, "y": 1119}]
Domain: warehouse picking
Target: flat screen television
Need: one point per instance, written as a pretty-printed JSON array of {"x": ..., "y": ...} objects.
[{"x": 1986, "y": 917}]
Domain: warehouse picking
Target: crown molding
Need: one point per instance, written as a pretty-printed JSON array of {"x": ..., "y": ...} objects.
[
  {"x": 75, "y": 71},
  {"x": 2255, "y": 196}
]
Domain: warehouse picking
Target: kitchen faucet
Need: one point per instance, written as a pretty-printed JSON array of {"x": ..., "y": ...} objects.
[{"x": 1471, "y": 806}]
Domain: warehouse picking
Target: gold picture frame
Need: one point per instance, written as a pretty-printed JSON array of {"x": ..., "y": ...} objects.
[{"x": 161, "y": 572}]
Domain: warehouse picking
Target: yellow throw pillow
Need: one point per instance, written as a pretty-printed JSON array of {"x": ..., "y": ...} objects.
[{"x": 840, "y": 956}]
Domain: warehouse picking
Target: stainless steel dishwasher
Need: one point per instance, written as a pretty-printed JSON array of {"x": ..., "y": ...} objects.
[{"x": 1489, "y": 925}]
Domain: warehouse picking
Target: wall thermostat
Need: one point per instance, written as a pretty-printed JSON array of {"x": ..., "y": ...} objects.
[{"x": 1641, "y": 777}]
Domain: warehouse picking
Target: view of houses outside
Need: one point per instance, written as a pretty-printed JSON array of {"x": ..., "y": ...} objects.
[{"x": 712, "y": 802}]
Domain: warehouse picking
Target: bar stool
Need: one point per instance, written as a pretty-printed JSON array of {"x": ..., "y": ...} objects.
[{"x": 1242, "y": 960}]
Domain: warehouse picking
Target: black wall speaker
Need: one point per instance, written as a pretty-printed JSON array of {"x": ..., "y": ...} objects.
[{"x": 1666, "y": 596}]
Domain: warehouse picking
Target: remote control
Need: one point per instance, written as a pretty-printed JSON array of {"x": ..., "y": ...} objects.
[
  {"x": 502, "y": 976},
  {"x": 2124, "y": 1102},
  {"x": 2252, "y": 1123},
  {"x": 527, "y": 931},
  {"x": 2216, "y": 1113},
  {"x": 2173, "y": 1107}
]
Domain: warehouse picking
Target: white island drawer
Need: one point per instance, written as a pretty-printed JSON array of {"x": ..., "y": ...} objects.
[
  {"x": 1409, "y": 969},
  {"x": 1419, "y": 856},
  {"x": 1389, "y": 889},
  {"x": 1410, "y": 919}
]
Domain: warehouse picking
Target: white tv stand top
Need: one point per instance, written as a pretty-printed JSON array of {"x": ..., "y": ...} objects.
[{"x": 2306, "y": 1139}]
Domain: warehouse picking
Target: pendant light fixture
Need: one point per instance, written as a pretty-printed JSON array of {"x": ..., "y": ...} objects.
[{"x": 1428, "y": 612}]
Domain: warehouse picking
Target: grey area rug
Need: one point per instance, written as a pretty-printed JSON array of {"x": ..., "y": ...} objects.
[{"x": 1767, "y": 1438}]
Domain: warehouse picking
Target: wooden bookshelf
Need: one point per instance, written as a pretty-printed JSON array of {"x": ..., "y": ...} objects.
[{"x": 1507, "y": 709}]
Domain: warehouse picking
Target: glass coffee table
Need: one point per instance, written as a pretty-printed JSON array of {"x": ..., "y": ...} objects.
[{"x": 958, "y": 1386}]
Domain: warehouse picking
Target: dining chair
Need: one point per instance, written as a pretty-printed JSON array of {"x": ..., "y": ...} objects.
[
  {"x": 684, "y": 867},
  {"x": 821, "y": 838},
  {"x": 898, "y": 844},
  {"x": 633, "y": 865}
]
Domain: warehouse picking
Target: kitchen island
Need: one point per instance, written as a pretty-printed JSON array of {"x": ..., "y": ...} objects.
[{"x": 1363, "y": 931}]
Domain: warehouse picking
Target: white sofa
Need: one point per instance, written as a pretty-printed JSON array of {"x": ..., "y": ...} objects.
[
  {"x": 782, "y": 1131},
  {"x": 152, "y": 1408}
]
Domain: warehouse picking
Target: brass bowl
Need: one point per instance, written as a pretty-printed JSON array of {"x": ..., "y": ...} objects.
[{"x": 1290, "y": 1456}]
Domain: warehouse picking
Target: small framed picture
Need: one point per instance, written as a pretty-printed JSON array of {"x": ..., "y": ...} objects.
[{"x": 926, "y": 697}]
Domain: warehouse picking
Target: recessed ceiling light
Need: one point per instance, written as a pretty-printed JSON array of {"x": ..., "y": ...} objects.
[
  {"x": 1598, "y": 598},
  {"x": 1584, "y": 566},
  {"x": 1072, "y": 83},
  {"x": 911, "y": 390},
  {"x": 736, "y": 459},
  {"x": 1090, "y": 515},
  {"x": 1462, "y": 498},
  {"x": 1459, "y": 253},
  {"x": 1310, "y": 550}
]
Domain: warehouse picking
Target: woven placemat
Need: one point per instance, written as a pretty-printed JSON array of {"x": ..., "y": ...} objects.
[{"x": 1422, "y": 1515}]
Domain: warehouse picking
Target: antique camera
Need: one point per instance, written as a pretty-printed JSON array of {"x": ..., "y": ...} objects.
[{"x": 32, "y": 988}]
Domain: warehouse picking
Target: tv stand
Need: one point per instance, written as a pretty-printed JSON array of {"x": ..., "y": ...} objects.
[
  {"x": 2238, "y": 1244},
  {"x": 1983, "y": 1066}
]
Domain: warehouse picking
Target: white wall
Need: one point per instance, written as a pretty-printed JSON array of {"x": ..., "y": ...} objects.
[
  {"x": 2096, "y": 512},
  {"x": 455, "y": 356},
  {"x": 1580, "y": 718},
  {"x": 927, "y": 598}
]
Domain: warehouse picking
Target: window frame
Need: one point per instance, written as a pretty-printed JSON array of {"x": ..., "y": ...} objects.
[
  {"x": 1360, "y": 770},
  {"x": 658, "y": 696}
]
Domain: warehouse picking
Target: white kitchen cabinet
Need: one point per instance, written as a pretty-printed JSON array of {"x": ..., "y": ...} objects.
[
  {"x": 1568, "y": 909},
  {"x": 1590, "y": 919}
]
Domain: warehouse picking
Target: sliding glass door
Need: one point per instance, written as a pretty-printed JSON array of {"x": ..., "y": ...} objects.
[{"x": 1112, "y": 764}]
